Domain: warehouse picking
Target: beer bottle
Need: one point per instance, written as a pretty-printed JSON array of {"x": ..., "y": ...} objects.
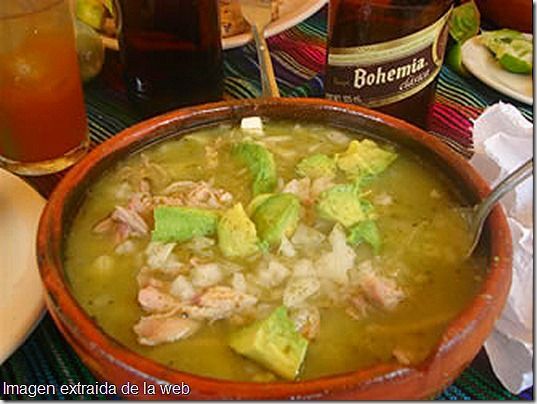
[
  {"x": 386, "y": 54},
  {"x": 171, "y": 52}
]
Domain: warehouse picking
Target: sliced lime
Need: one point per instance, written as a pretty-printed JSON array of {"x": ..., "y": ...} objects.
[
  {"x": 92, "y": 12},
  {"x": 496, "y": 40},
  {"x": 90, "y": 50},
  {"x": 464, "y": 22},
  {"x": 454, "y": 59},
  {"x": 513, "y": 49},
  {"x": 517, "y": 57}
]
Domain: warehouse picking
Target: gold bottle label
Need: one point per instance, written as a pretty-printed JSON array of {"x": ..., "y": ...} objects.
[{"x": 384, "y": 73}]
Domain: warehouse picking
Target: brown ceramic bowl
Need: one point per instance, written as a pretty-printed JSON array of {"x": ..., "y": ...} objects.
[{"x": 113, "y": 362}]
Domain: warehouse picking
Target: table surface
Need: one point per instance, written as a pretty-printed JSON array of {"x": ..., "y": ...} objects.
[{"x": 298, "y": 56}]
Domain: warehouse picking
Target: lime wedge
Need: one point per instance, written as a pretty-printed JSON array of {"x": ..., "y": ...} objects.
[
  {"x": 454, "y": 59},
  {"x": 513, "y": 49},
  {"x": 517, "y": 57},
  {"x": 90, "y": 50},
  {"x": 496, "y": 40},
  {"x": 92, "y": 12},
  {"x": 464, "y": 22}
]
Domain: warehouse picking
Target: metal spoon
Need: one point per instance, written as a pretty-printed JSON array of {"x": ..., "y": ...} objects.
[
  {"x": 482, "y": 210},
  {"x": 258, "y": 13}
]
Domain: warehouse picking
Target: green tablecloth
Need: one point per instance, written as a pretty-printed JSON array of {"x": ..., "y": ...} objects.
[{"x": 298, "y": 54}]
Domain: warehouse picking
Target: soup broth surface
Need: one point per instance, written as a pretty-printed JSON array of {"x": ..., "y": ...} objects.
[{"x": 391, "y": 306}]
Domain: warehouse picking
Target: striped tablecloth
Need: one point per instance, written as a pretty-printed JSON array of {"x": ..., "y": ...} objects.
[{"x": 298, "y": 55}]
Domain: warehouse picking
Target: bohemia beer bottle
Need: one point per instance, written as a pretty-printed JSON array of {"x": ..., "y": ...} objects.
[{"x": 386, "y": 54}]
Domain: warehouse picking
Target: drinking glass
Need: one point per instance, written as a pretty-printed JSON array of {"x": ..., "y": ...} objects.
[{"x": 43, "y": 123}]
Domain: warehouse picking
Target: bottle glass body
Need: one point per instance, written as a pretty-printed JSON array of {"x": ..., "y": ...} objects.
[
  {"x": 386, "y": 54},
  {"x": 171, "y": 53}
]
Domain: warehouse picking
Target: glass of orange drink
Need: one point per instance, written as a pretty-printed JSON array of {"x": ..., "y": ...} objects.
[{"x": 43, "y": 123}]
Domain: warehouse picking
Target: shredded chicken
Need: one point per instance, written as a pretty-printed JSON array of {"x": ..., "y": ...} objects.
[
  {"x": 359, "y": 307},
  {"x": 219, "y": 302},
  {"x": 381, "y": 291},
  {"x": 205, "y": 275},
  {"x": 300, "y": 188},
  {"x": 146, "y": 277},
  {"x": 195, "y": 194},
  {"x": 298, "y": 290},
  {"x": 128, "y": 221},
  {"x": 160, "y": 256},
  {"x": 158, "y": 329},
  {"x": 154, "y": 300},
  {"x": 319, "y": 185},
  {"x": 124, "y": 223},
  {"x": 182, "y": 288},
  {"x": 137, "y": 225},
  {"x": 307, "y": 190},
  {"x": 307, "y": 321},
  {"x": 148, "y": 171},
  {"x": 131, "y": 220}
]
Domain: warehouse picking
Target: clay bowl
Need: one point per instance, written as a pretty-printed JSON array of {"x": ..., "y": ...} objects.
[{"x": 110, "y": 361}]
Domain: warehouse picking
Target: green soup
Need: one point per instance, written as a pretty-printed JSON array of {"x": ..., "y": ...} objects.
[{"x": 370, "y": 278}]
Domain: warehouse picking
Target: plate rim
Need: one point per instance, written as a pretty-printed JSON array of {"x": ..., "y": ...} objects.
[
  {"x": 282, "y": 23},
  {"x": 307, "y": 9},
  {"x": 37, "y": 310}
]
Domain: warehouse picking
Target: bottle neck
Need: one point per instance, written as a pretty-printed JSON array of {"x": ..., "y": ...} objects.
[{"x": 363, "y": 22}]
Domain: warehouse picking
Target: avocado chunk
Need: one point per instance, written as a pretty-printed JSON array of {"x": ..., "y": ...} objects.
[
  {"x": 178, "y": 224},
  {"x": 260, "y": 163},
  {"x": 277, "y": 216},
  {"x": 237, "y": 236},
  {"x": 273, "y": 343},
  {"x": 364, "y": 158},
  {"x": 342, "y": 203},
  {"x": 257, "y": 202},
  {"x": 316, "y": 166},
  {"x": 366, "y": 231}
]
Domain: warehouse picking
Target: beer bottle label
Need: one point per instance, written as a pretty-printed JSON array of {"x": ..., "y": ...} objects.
[{"x": 384, "y": 73}]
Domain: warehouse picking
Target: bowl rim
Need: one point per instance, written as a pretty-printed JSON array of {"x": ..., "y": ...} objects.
[{"x": 77, "y": 324}]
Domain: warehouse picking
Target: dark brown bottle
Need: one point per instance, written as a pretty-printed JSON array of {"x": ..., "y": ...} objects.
[
  {"x": 386, "y": 54},
  {"x": 171, "y": 53}
]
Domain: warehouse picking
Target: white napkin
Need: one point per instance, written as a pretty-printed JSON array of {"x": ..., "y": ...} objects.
[{"x": 503, "y": 140}]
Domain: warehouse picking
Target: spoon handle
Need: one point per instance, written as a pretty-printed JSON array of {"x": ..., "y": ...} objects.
[
  {"x": 268, "y": 79},
  {"x": 506, "y": 185}
]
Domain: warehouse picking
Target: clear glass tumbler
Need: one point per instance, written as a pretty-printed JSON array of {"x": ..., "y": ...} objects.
[{"x": 43, "y": 123}]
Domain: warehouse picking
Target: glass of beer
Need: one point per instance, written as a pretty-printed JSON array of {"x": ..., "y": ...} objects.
[{"x": 43, "y": 123}]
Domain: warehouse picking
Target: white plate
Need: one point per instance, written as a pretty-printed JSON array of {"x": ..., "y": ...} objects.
[
  {"x": 291, "y": 12},
  {"x": 480, "y": 62},
  {"x": 21, "y": 292}
]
